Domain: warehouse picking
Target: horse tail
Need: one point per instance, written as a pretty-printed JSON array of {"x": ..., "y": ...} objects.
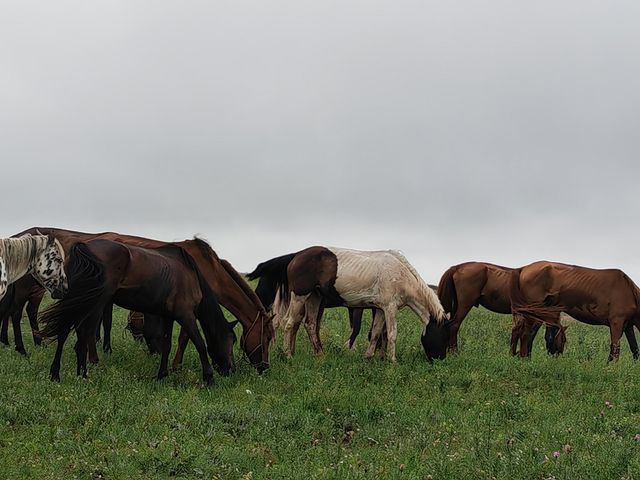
[
  {"x": 273, "y": 278},
  {"x": 86, "y": 275},
  {"x": 447, "y": 291},
  {"x": 537, "y": 311}
]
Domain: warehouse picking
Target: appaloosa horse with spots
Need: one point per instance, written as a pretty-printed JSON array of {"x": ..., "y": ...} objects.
[
  {"x": 319, "y": 277},
  {"x": 40, "y": 256},
  {"x": 542, "y": 290}
]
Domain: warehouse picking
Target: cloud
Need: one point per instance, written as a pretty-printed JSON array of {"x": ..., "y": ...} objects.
[{"x": 453, "y": 131}]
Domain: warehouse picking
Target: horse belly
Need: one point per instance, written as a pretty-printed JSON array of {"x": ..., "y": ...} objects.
[{"x": 357, "y": 291}]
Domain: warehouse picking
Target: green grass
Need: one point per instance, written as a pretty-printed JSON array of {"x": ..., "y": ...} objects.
[{"x": 479, "y": 414}]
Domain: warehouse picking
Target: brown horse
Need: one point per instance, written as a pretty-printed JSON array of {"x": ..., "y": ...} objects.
[
  {"x": 472, "y": 284},
  {"x": 542, "y": 290},
  {"x": 164, "y": 281},
  {"x": 25, "y": 291},
  {"x": 230, "y": 289}
]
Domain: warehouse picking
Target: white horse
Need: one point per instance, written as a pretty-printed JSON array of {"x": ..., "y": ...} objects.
[
  {"x": 319, "y": 277},
  {"x": 41, "y": 256}
]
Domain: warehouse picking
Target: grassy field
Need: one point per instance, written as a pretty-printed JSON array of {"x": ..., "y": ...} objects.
[{"x": 479, "y": 414}]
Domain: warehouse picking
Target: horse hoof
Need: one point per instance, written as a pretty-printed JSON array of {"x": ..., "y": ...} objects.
[
  {"x": 55, "y": 377},
  {"x": 107, "y": 349},
  {"x": 21, "y": 351}
]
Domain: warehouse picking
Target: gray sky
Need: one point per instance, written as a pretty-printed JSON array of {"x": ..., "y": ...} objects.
[{"x": 500, "y": 131}]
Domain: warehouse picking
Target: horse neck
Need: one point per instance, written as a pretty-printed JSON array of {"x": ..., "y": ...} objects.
[
  {"x": 422, "y": 300},
  {"x": 234, "y": 299},
  {"x": 230, "y": 295},
  {"x": 19, "y": 255}
]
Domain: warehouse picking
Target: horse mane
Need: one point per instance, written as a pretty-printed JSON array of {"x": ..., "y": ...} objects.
[
  {"x": 18, "y": 253},
  {"x": 209, "y": 307},
  {"x": 213, "y": 257},
  {"x": 433, "y": 303},
  {"x": 86, "y": 276},
  {"x": 242, "y": 283},
  {"x": 273, "y": 279}
]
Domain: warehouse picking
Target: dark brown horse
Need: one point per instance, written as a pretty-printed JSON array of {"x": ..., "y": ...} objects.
[
  {"x": 230, "y": 289},
  {"x": 164, "y": 281},
  {"x": 542, "y": 290},
  {"x": 25, "y": 291}
]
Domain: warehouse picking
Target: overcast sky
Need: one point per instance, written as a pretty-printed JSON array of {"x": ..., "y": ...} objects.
[{"x": 499, "y": 131}]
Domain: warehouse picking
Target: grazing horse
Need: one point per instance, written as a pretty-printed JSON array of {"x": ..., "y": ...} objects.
[
  {"x": 227, "y": 284},
  {"x": 23, "y": 291},
  {"x": 542, "y": 290},
  {"x": 319, "y": 277},
  {"x": 41, "y": 256},
  {"x": 164, "y": 281},
  {"x": 471, "y": 284}
]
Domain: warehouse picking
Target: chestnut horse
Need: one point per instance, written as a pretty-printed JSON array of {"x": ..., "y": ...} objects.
[
  {"x": 164, "y": 281},
  {"x": 471, "y": 284},
  {"x": 230, "y": 289},
  {"x": 542, "y": 290},
  {"x": 319, "y": 277}
]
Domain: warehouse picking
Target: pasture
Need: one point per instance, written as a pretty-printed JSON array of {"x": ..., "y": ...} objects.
[{"x": 479, "y": 414}]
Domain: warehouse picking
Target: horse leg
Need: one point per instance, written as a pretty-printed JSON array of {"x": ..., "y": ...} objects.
[
  {"x": 4, "y": 331},
  {"x": 533, "y": 331},
  {"x": 456, "y": 322},
  {"x": 319, "y": 317},
  {"x": 165, "y": 348},
  {"x": 295, "y": 315},
  {"x": 98, "y": 336},
  {"x": 312, "y": 321},
  {"x": 355, "y": 321},
  {"x": 377, "y": 325},
  {"x": 107, "y": 321},
  {"x": 91, "y": 345},
  {"x": 85, "y": 335},
  {"x": 32, "y": 313},
  {"x": 188, "y": 322},
  {"x": 631, "y": 338},
  {"x": 54, "y": 371},
  {"x": 16, "y": 317},
  {"x": 516, "y": 329},
  {"x": 183, "y": 340},
  {"x": 616, "y": 327},
  {"x": 392, "y": 331}
]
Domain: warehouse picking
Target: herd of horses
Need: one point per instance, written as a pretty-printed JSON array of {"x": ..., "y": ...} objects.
[{"x": 162, "y": 282}]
